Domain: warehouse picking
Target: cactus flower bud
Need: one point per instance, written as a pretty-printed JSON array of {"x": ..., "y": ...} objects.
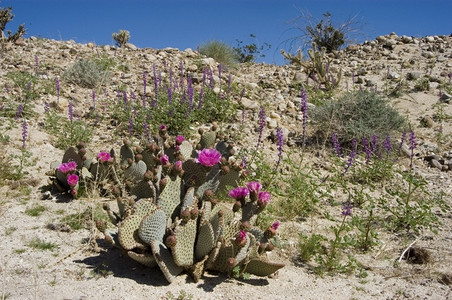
[
  {"x": 245, "y": 225},
  {"x": 163, "y": 183},
  {"x": 270, "y": 247},
  {"x": 179, "y": 139},
  {"x": 138, "y": 157},
  {"x": 237, "y": 206},
  {"x": 232, "y": 262},
  {"x": 240, "y": 239},
  {"x": 194, "y": 213},
  {"x": 171, "y": 241},
  {"x": 185, "y": 214}
]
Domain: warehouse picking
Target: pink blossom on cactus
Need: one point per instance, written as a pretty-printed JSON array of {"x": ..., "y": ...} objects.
[
  {"x": 162, "y": 127},
  {"x": 72, "y": 180},
  {"x": 264, "y": 198},
  {"x": 209, "y": 157},
  {"x": 164, "y": 159},
  {"x": 275, "y": 225},
  {"x": 240, "y": 238},
  {"x": 67, "y": 167},
  {"x": 180, "y": 139},
  {"x": 103, "y": 157},
  {"x": 239, "y": 193},
  {"x": 254, "y": 186}
]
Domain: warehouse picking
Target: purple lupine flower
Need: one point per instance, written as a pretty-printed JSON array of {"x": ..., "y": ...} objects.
[
  {"x": 262, "y": 118},
  {"x": 304, "y": 110},
  {"x": 94, "y": 99},
  {"x": 336, "y": 145},
  {"x": 71, "y": 111},
  {"x": 171, "y": 74},
  {"x": 351, "y": 158},
  {"x": 46, "y": 107},
  {"x": 190, "y": 92},
  {"x": 209, "y": 157},
  {"x": 374, "y": 144},
  {"x": 219, "y": 73},
  {"x": 145, "y": 82},
  {"x": 24, "y": 132},
  {"x": 124, "y": 97},
  {"x": 239, "y": 193},
  {"x": 181, "y": 74},
  {"x": 243, "y": 115},
  {"x": 402, "y": 140},
  {"x": 135, "y": 111},
  {"x": 133, "y": 96},
  {"x": 211, "y": 81},
  {"x": 367, "y": 150},
  {"x": 19, "y": 111},
  {"x": 130, "y": 126},
  {"x": 154, "y": 71},
  {"x": 57, "y": 86},
  {"x": 387, "y": 145},
  {"x": 280, "y": 144},
  {"x": 347, "y": 210},
  {"x": 412, "y": 146},
  {"x": 147, "y": 132},
  {"x": 170, "y": 94}
]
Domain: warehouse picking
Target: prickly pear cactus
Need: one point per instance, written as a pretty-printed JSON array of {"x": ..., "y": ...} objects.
[{"x": 169, "y": 216}]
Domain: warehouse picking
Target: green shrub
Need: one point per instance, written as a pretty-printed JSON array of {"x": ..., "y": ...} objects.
[
  {"x": 357, "y": 115},
  {"x": 5, "y": 17},
  {"x": 219, "y": 51},
  {"x": 87, "y": 73},
  {"x": 121, "y": 38}
]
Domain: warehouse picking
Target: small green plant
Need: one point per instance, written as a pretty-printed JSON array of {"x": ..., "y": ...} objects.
[
  {"x": 87, "y": 73},
  {"x": 183, "y": 295},
  {"x": 422, "y": 84},
  {"x": 20, "y": 251},
  {"x": 357, "y": 115},
  {"x": 85, "y": 219},
  {"x": 67, "y": 133},
  {"x": 10, "y": 230},
  {"x": 35, "y": 210},
  {"x": 219, "y": 51},
  {"x": 37, "y": 243},
  {"x": 121, "y": 38}
]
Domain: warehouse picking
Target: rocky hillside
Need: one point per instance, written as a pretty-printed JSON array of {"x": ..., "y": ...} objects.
[{"x": 413, "y": 72}]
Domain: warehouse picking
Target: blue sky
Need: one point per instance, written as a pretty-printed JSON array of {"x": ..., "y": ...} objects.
[{"x": 188, "y": 24}]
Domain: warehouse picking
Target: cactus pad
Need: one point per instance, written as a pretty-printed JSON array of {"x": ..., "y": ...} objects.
[
  {"x": 170, "y": 196},
  {"x": 128, "y": 232},
  {"x": 208, "y": 139},
  {"x": 165, "y": 261},
  {"x": 143, "y": 189},
  {"x": 146, "y": 259},
  {"x": 262, "y": 267},
  {"x": 144, "y": 207},
  {"x": 135, "y": 171},
  {"x": 183, "y": 251},
  {"x": 153, "y": 227},
  {"x": 206, "y": 240},
  {"x": 125, "y": 153}
]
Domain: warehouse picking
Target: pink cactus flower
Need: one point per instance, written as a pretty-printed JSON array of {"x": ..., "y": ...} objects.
[
  {"x": 275, "y": 225},
  {"x": 72, "y": 180},
  {"x": 254, "y": 186},
  {"x": 239, "y": 193},
  {"x": 264, "y": 198},
  {"x": 162, "y": 127},
  {"x": 180, "y": 139},
  {"x": 68, "y": 167},
  {"x": 178, "y": 166},
  {"x": 103, "y": 157},
  {"x": 164, "y": 159},
  {"x": 209, "y": 157},
  {"x": 240, "y": 238}
]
